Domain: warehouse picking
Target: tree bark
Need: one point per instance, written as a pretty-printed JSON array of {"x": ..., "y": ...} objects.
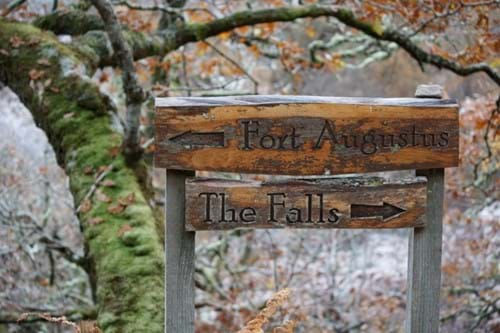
[
  {"x": 134, "y": 95},
  {"x": 124, "y": 252}
]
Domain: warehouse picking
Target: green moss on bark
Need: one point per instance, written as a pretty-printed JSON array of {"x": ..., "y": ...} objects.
[
  {"x": 75, "y": 22},
  {"x": 124, "y": 249}
]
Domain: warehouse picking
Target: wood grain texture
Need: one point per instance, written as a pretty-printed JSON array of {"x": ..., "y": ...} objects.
[
  {"x": 424, "y": 262},
  {"x": 299, "y": 135},
  {"x": 179, "y": 252},
  {"x": 425, "y": 250},
  {"x": 217, "y": 204}
]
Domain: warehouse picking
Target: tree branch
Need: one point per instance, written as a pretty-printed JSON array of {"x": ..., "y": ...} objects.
[
  {"x": 21, "y": 318},
  {"x": 404, "y": 41},
  {"x": 144, "y": 45},
  {"x": 133, "y": 91},
  {"x": 75, "y": 22},
  {"x": 197, "y": 32}
]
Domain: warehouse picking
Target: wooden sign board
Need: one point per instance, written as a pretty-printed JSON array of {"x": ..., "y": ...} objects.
[
  {"x": 215, "y": 204},
  {"x": 305, "y": 135}
]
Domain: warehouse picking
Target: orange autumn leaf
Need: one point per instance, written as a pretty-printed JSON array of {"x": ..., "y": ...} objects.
[
  {"x": 310, "y": 31},
  {"x": 224, "y": 35},
  {"x": 255, "y": 50}
]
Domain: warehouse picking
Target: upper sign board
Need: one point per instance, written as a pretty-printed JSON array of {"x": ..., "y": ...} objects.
[{"x": 305, "y": 135}]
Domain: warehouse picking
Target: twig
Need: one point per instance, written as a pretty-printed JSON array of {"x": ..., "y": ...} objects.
[
  {"x": 184, "y": 72},
  {"x": 237, "y": 65},
  {"x": 135, "y": 96},
  {"x": 93, "y": 188},
  {"x": 494, "y": 114},
  {"x": 274, "y": 257},
  {"x": 12, "y": 6},
  {"x": 192, "y": 89}
]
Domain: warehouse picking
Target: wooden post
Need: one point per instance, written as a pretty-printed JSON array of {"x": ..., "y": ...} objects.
[
  {"x": 425, "y": 246},
  {"x": 179, "y": 266}
]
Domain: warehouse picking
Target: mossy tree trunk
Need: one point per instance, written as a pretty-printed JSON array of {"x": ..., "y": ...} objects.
[{"x": 124, "y": 254}]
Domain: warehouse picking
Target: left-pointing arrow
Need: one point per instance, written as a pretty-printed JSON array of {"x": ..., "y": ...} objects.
[
  {"x": 385, "y": 211},
  {"x": 202, "y": 139}
]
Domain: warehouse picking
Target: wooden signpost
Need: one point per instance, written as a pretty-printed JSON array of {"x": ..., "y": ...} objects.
[{"x": 306, "y": 136}]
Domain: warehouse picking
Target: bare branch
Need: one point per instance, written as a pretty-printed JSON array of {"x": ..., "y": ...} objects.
[
  {"x": 237, "y": 65},
  {"x": 134, "y": 94},
  {"x": 13, "y": 5}
]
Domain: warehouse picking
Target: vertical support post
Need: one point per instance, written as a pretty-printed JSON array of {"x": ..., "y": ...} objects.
[
  {"x": 425, "y": 246},
  {"x": 179, "y": 265}
]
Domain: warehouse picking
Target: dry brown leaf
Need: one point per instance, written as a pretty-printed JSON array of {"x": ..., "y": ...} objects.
[
  {"x": 4, "y": 52},
  {"x": 96, "y": 220},
  {"x": 89, "y": 326},
  {"x": 127, "y": 200},
  {"x": 114, "y": 151},
  {"x": 34, "y": 41},
  {"x": 44, "y": 62},
  {"x": 287, "y": 327},
  {"x": 101, "y": 196},
  {"x": 108, "y": 183},
  {"x": 124, "y": 228},
  {"x": 15, "y": 42},
  {"x": 85, "y": 206},
  {"x": 104, "y": 168},
  {"x": 262, "y": 318},
  {"x": 35, "y": 74},
  {"x": 116, "y": 208},
  {"x": 54, "y": 89},
  {"x": 88, "y": 170},
  {"x": 47, "y": 317}
]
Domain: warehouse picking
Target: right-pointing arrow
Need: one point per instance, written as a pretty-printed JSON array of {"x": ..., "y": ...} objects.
[{"x": 385, "y": 211}]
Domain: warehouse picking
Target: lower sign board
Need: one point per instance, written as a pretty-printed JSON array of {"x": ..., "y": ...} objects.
[
  {"x": 217, "y": 204},
  {"x": 299, "y": 135}
]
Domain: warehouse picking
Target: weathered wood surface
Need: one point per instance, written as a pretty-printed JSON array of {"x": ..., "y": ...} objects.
[
  {"x": 217, "y": 204},
  {"x": 179, "y": 254},
  {"x": 424, "y": 261},
  {"x": 425, "y": 249},
  {"x": 305, "y": 135}
]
